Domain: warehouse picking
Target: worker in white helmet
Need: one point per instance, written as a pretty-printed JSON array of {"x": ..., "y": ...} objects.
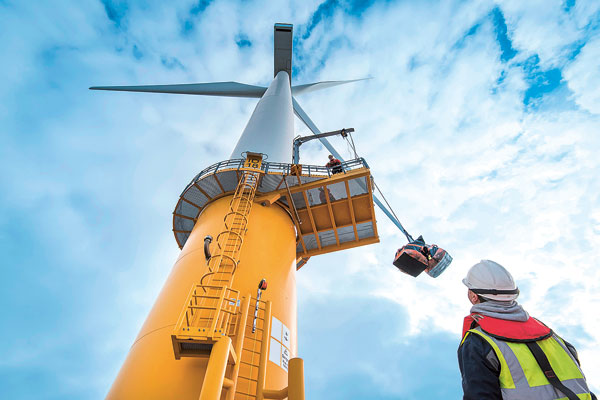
[{"x": 505, "y": 353}]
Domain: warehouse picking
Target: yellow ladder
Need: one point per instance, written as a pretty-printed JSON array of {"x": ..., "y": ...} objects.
[
  {"x": 212, "y": 315},
  {"x": 217, "y": 324},
  {"x": 222, "y": 265},
  {"x": 212, "y": 305},
  {"x": 253, "y": 354}
]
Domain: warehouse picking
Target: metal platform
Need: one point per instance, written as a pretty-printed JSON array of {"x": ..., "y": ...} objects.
[
  {"x": 210, "y": 313},
  {"x": 334, "y": 213},
  {"x": 221, "y": 179}
]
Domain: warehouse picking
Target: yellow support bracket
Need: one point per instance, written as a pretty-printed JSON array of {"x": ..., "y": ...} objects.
[
  {"x": 295, "y": 387},
  {"x": 268, "y": 199},
  {"x": 276, "y": 394}
]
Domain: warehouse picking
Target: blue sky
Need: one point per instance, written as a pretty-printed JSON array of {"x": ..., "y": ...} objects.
[{"x": 481, "y": 126}]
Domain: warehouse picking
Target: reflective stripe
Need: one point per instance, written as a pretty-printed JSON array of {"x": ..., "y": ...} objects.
[
  {"x": 506, "y": 380},
  {"x": 521, "y": 378},
  {"x": 547, "y": 392}
]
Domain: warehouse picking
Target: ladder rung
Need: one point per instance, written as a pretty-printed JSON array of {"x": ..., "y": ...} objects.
[
  {"x": 257, "y": 328},
  {"x": 206, "y": 296},
  {"x": 246, "y": 394},
  {"x": 248, "y": 379},
  {"x": 251, "y": 351},
  {"x": 254, "y": 360},
  {"x": 250, "y": 364}
]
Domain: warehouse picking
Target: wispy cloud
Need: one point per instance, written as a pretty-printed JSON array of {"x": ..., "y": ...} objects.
[{"x": 480, "y": 126}]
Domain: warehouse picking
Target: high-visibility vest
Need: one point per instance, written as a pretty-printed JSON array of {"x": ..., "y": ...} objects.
[{"x": 521, "y": 377}]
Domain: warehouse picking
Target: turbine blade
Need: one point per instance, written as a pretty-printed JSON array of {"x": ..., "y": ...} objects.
[
  {"x": 312, "y": 87},
  {"x": 313, "y": 128},
  {"x": 226, "y": 89},
  {"x": 311, "y": 125}
]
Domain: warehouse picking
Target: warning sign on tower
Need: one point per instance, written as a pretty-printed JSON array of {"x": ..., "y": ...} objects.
[{"x": 279, "y": 351}]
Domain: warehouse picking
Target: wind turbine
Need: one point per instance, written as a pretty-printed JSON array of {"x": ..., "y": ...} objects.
[{"x": 224, "y": 324}]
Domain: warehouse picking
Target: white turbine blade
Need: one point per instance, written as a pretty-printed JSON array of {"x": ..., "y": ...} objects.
[
  {"x": 226, "y": 89},
  {"x": 312, "y": 87},
  {"x": 311, "y": 125}
]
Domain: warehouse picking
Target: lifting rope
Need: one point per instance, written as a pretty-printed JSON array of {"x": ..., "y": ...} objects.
[
  {"x": 399, "y": 224},
  {"x": 351, "y": 146}
]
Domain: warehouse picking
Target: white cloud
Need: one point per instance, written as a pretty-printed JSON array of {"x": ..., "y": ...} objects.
[
  {"x": 583, "y": 76},
  {"x": 546, "y": 29},
  {"x": 463, "y": 163},
  {"x": 442, "y": 125}
]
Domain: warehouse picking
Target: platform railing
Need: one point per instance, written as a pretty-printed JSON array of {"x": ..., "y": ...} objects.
[
  {"x": 209, "y": 313},
  {"x": 277, "y": 168}
]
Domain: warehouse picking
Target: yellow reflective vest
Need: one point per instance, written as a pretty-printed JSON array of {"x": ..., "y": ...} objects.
[{"x": 521, "y": 377}]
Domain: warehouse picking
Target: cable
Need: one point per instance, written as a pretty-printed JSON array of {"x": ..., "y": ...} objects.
[
  {"x": 399, "y": 224},
  {"x": 408, "y": 236},
  {"x": 350, "y": 144},
  {"x": 349, "y": 147},
  {"x": 353, "y": 146}
]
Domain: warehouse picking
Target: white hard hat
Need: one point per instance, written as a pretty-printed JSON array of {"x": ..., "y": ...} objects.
[{"x": 492, "y": 281}]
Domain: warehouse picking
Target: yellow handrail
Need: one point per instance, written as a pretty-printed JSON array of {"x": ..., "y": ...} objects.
[
  {"x": 239, "y": 343},
  {"x": 262, "y": 366},
  {"x": 215, "y": 371},
  {"x": 295, "y": 387}
]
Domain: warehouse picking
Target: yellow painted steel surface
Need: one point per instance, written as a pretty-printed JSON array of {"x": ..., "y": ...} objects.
[
  {"x": 215, "y": 371},
  {"x": 150, "y": 370},
  {"x": 296, "y": 379}
]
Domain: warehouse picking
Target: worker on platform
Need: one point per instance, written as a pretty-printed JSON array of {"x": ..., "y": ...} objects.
[
  {"x": 323, "y": 197},
  {"x": 334, "y": 164},
  {"x": 505, "y": 353}
]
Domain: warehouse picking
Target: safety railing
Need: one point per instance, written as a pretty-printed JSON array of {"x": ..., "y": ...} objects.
[
  {"x": 222, "y": 265},
  {"x": 277, "y": 168},
  {"x": 209, "y": 313}
]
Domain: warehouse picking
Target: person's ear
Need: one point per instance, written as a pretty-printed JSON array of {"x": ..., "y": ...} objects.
[{"x": 473, "y": 298}]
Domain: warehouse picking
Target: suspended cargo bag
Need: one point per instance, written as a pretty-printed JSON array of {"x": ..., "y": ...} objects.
[
  {"x": 412, "y": 259},
  {"x": 439, "y": 259},
  {"x": 416, "y": 257}
]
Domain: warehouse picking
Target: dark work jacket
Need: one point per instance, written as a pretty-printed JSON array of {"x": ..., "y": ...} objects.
[{"x": 480, "y": 369}]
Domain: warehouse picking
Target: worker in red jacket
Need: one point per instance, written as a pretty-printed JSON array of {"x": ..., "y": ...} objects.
[
  {"x": 334, "y": 164},
  {"x": 505, "y": 353}
]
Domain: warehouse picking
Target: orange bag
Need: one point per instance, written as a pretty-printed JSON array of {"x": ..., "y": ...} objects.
[
  {"x": 417, "y": 256},
  {"x": 412, "y": 258}
]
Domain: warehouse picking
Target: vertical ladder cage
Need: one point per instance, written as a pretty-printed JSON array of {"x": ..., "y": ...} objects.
[
  {"x": 216, "y": 323},
  {"x": 210, "y": 311}
]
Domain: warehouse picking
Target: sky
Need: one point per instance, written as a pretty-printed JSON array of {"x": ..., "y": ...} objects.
[{"x": 481, "y": 126}]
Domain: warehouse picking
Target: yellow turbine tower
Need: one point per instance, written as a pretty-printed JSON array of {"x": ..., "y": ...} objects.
[{"x": 224, "y": 324}]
